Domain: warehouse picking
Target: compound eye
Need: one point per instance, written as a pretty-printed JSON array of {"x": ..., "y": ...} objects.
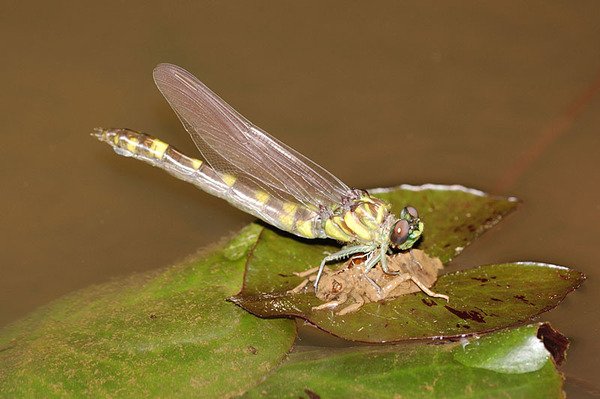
[
  {"x": 409, "y": 213},
  {"x": 400, "y": 232},
  {"x": 412, "y": 212}
]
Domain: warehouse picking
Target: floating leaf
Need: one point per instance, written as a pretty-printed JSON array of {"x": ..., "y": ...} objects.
[
  {"x": 508, "y": 364},
  {"x": 516, "y": 351},
  {"x": 166, "y": 334},
  {"x": 481, "y": 299}
]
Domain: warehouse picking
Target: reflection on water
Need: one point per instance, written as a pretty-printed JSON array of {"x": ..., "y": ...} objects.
[{"x": 380, "y": 95}]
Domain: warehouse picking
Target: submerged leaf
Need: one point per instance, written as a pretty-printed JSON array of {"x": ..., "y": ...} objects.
[
  {"x": 481, "y": 299},
  {"x": 422, "y": 371},
  {"x": 166, "y": 334}
]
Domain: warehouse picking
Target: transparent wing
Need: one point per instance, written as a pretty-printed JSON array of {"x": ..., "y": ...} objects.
[{"x": 233, "y": 145}]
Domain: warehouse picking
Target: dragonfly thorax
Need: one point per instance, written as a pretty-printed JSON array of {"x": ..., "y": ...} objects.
[{"x": 362, "y": 220}]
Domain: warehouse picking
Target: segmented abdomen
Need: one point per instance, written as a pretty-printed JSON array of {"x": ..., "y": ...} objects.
[{"x": 286, "y": 215}]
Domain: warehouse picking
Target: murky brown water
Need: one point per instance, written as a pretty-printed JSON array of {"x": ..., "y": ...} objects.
[{"x": 502, "y": 97}]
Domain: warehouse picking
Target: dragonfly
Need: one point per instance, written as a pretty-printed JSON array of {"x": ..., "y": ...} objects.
[{"x": 260, "y": 175}]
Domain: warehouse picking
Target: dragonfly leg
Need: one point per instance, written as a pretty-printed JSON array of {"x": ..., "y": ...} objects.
[
  {"x": 341, "y": 254},
  {"x": 333, "y": 304},
  {"x": 358, "y": 302},
  {"x": 412, "y": 257},
  {"x": 306, "y": 272},
  {"x": 375, "y": 285},
  {"x": 384, "y": 264},
  {"x": 426, "y": 290},
  {"x": 371, "y": 261},
  {"x": 299, "y": 287}
]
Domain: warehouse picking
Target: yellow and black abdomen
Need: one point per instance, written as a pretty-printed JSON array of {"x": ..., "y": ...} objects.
[
  {"x": 151, "y": 150},
  {"x": 279, "y": 212}
]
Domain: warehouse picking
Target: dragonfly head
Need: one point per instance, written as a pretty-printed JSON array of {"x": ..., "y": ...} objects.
[{"x": 407, "y": 230}]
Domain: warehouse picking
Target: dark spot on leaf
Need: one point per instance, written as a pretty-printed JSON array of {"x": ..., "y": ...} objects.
[
  {"x": 429, "y": 302},
  {"x": 482, "y": 311},
  {"x": 496, "y": 300},
  {"x": 524, "y": 300},
  {"x": 482, "y": 279},
  {"x": 467, "y": 314},
  {"x": 493, "y": 277},
  {"x": 252, "y": 349},
  {"x": 555, "y": 342},
  {"x": 311, "y": 394},
  {"x": 471, "y": 228},
  {"x": 153, "y": 316},
  {"x": 564, "y": 276},
  {"x": 465, "y": 326}
]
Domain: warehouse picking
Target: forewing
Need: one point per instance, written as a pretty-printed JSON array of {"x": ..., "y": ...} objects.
[{"x": 232, "y": 144}]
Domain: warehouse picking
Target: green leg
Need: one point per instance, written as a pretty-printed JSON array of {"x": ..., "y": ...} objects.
[
  {"x": 341, "y": 254},
  {"x": 384, "y": 264},
  {"x": 372, "y": 261}
]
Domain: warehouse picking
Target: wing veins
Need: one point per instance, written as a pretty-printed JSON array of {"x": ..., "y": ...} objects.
[{"x": 231, "y": 144}]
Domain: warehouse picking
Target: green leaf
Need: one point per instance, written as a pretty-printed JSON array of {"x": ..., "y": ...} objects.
[
  {"x": 508, "y": 351},
  {"x": 165, "y": 334},
  {"x": 481, "y": 300},
  {"x": 488, "y": 367}
]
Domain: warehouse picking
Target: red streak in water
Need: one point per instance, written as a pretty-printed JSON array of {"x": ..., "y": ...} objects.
[{"x": 558, "y": 127}]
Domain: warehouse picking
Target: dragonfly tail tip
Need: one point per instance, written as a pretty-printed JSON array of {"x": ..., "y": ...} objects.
[{"x": 98, "y": 133}]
